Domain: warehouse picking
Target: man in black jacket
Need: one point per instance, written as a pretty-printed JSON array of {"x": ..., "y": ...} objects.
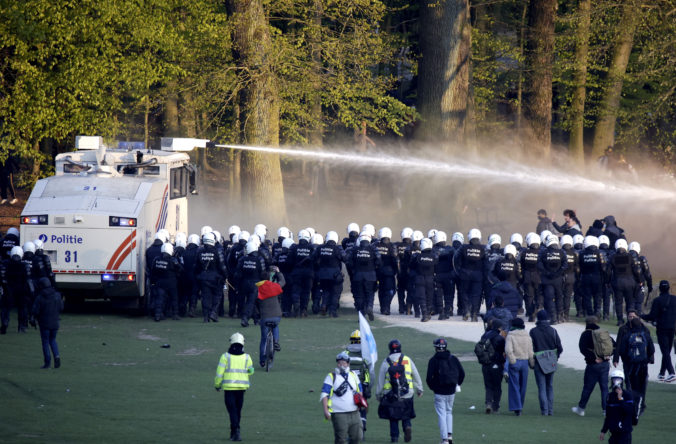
[
  {"x": 663, "y": 313},
  {"x": 48, "y": 304},
  {"x": 444, "y": 374},
  {"x": 596, "y": 371},
  {"x": 493, "y": 372},
  {"x": 545, "y": 342}
]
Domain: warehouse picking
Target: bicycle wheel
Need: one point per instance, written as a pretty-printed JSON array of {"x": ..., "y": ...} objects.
[{"x": 269, "y": 351}]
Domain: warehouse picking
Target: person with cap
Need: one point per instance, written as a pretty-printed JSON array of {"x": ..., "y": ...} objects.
[
  {"x": 519, "y": 351},
  {"x": 444, "y": 375},
  {"x": 48, "y": 304},
  {"x": 547, "y": 349},
  {"x": 663, "y": 314},
  {"x": 398, "y": 380},
  {"x": 232, "y": 375},
  {"x": 596, "y": 370},
  {"x": 338, "y": 401},
  {"x": 493, "y": 363},
  {"x": 360, "y": 366},
  {"x": 620, "y": 416}
]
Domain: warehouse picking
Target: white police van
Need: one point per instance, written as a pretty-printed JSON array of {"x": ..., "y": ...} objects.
[{"x": 102, "y": 208}]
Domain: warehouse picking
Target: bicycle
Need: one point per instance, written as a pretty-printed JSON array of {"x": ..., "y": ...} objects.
[{"x": 269, "y": 346}]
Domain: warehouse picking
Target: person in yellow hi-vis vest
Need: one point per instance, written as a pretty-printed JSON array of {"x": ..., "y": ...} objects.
[
  {"x": 338, "y": 401},
  {"x": 232, "y": 375}
]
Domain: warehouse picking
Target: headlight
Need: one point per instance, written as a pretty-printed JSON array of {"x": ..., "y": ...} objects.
[
  {"x": 115, "y": 221},
  {"x": 34, "y": 220}
]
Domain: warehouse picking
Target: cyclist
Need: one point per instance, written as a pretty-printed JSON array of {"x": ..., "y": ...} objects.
[
  {"x": 360, "y": 367},
  {"x": 270, "y": 308}
]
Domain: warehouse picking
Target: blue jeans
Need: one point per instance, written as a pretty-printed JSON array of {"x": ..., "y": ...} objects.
[
  {"x": 545, "y": 390},
  {"x": 443, "y": 405},
  {"x": 49, "y": 341},
  {"x": 264, "y": 334},
  {"x": 394, "y": 426},
  {"x": 518, "y": 381},
  {"x": 595, "y": 374}
]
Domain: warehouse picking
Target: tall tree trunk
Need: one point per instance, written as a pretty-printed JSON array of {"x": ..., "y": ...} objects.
[
  {"x": 262, "y": 187},
  {"x": 443, "y": 80},
  {"x": 171, "y": 126},
  {"x": 604, "y": 131},
  {"x": 537, "y": 128},
  {"x": 576, "y": 143},
  {"x": 519, "y": 88}
]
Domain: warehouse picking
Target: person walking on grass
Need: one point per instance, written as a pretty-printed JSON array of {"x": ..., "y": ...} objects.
[
  {"x": 663, "y": 314},
  {"x": 519, "y": 351},
  {"x": 48, "y": 304},
  {"x": 547, "y": 349},
  {"x": 338, "y": 401},
  {"x": 444, "y": 376},
  {"x": 232, "y": 375}
]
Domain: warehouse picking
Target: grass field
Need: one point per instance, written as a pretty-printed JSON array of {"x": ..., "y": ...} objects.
[{"x": 117, "y": 384}]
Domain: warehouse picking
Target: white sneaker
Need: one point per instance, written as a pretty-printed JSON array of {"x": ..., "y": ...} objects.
[
  {"x": 670, "y": 378},
  {"x": 3, "y": 201},
  {"x": 660, "y": 377},
  {"x": 13, "y": 201},
  {"x": 578, "y": 411}
]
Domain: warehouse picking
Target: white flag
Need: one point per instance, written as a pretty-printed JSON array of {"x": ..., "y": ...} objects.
[{"x": 369, "y": 351}]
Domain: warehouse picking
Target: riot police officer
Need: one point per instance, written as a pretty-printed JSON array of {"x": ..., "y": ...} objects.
[
  {"x": 365, "y": 262},
  {"x": 209, "y": 271},
  {"x": 571, "y": 276},
  {"x": 424, "y": 263},
  {"x": 329, "y": 259},
  {"x": 443, "y": 276},
  {"x": 402, "y": 277},
  {"x": 164, "y": 273},
  {"x": 531, "y": 281},
  {"x": 592, "y": 276},
  {"x": 251, "y": 268},
  {"x": 552, "y": 265},
  {"x": 471, "y": 260},
  {"x": 388, "y": 270},
  {"x": 302, "y": 274}
]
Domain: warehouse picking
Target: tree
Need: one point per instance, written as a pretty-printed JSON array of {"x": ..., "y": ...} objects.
[
  {"x": 576, "y": 144},
  {"x": 262, "y": 187},
  {"x": 538, "y": 80},
  {"x": 443, "y": 80}
]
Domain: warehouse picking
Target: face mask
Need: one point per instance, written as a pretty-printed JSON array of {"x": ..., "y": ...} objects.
[{"x": 343, "y": 367}]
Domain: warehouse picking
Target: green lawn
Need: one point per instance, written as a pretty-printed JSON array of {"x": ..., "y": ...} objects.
[{"x": 117, "y": 384}]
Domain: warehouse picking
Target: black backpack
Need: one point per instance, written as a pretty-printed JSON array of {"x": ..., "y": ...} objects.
[
  {"x": 637, "y": 347},
  {"x": 397, "y": 375},
  {"x": 485, "y": 351}
]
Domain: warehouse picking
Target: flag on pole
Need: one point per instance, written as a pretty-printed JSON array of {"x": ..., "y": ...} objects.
[{"x": 369, "y": 351}]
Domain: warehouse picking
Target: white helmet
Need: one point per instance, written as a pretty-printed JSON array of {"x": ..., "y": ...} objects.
[
  {"x": 474, "y": 233},
  {"x": 364, "y": 236},
  {"x": 510, "y": 249},
  {"x": 235, "y": 238},
  {"x": 283, "y": 232},
  {"x": 167, "y": 235},
  {"x": 458, "y": 236},
  {"x": 317, "y": 239},
  {"x": 16, "y": 251},
  {"x": 617, "y": 373},
  {"x": 634, "y": 246},
  {"x": 218, "y": 236},
  {"x": 237, "y": 338},
  {"x": 370, "y": 229},
  {"x": 603, "y": 240},
  {"x": 494, "y": 239},
  {"x": 180, "y": 242},
  {"x": 620, "y": 244},
  {"x": 406, "y": 233},
  {"x": 261, "y": 230},
  {"x": 426, "y": 244},
  {"x": 39, "y": 245},
  {"x": 578, "y": 239},
  {"x": 255, "y": 239},
  {"x": 167, "y": 248},
  {"x": 161, "y": 236},
  {"x": 566, "y": 240},
  {"x": 532, "y": 239},
  {"x": 206, "y": 229},
  {"x": 251, "y": 246},
  {"x": 551, "y": 240},
  {"x": 244, "y": 236},
  {"x": 352, "y": 226},
  {"x": 591, "y": 241},
  {"x": 14, "y": 231},
  {"x": 194, "y": 239},
  {"x": 209, "y": 239},
  {"x": 544, "y": 235},
  {"x": 311, "y": 230},
  {"x": 417, "y": 235},
  {"x": 286, "y": 243},
  {"x": 439, "y": 236},
  {"x": 304, "y": 235},
  {"x": 431, "y": 233},
  {"x": 385, "y": 232},
  {"x": 516, "y": 237},
  {"x": 29, "y": 247},
  {"x": 234, "y": 229},
  {"x": 332, "y": 236}
]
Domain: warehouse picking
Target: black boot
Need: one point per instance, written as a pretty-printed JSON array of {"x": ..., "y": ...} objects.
[
  {"x": 57, "y": 362},
  {"x": 236, "y": 436},
  {"x": 46, "y": 364}
]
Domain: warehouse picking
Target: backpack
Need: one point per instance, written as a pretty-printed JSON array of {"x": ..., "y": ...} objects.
[
  {"x": 637, "y": 347},
  {"x": 397, "y": 376},
  {"x": 603, "y": 343},
  {"x": 485, "y": 351},
  {"x": 362, "y": 372},
  {"x": 446, "y": 376}
]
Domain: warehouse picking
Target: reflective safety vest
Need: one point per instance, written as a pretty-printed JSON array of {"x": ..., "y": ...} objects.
[
  {"x": 406, "y": 362},
  {"x": 233, "y": 372},
  {"x": 352, "y": 380}
]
